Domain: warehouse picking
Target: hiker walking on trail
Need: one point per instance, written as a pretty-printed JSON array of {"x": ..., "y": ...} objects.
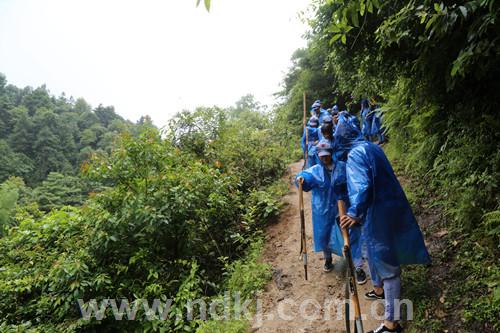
[
  {"x": 377, "y": 202},
  {"x": 326, "y": 130},
  {"x": 318, "y": 111},
  {"x": 321, "y": 179},
  {"x": 335, "y": 110},
  {"x": 355, "y": 236},
  {"x": 313, "y": 139},
  {"x": 324, "y": 205},
  {"x": 327, "y": 133}
]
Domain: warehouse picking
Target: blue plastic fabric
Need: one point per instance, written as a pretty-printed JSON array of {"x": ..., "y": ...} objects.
[
  {"x": 313, "y": 135},
  {"x": 391, "y": 233},
  {"x": 322, "y": 113},
  {"x": 328, "y": 119},
  {"x": 346, "y": 133},
  {"x": 366, "y": 120},
  {"x": 340, "y": 190},
  {"x": 353, "y": 120},
  {"x": 376, "y": 125},
  {"x": 377, "y": 129},
  {"x": 326, "y": 233}
]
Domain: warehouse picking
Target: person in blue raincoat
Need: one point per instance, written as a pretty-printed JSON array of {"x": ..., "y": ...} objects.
[
  {"x": 335, "y": 110},
  {"x": 366, "y": 119},
  {"x": 324, "y": 179},
  {"x": 318, "y": 111},
  {"x": 377, "y": 202},
  {"x": 327, "y": 132},
  {"x": 351, "y": 118},
  {"x": 326, "y": 127},
  {"x": 313, "y": 139},
  {"x": 340, "y": 190},
  {"x": 324, "y": 204}
]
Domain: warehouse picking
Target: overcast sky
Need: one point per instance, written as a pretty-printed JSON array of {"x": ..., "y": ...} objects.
[{"x": 152, "y": 57}]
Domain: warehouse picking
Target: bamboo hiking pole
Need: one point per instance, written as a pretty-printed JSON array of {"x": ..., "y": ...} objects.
[
  {"x": 304, "y": 121},
  {"x": 351, "y": 280},
  {"x": 303, "y": 243}
]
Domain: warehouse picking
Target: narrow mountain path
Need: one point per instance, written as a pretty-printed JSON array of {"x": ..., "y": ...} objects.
[{"x": 291, "y": 304}]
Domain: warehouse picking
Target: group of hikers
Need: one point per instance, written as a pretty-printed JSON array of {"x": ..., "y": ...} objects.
[{"x": 344, "y": 164}]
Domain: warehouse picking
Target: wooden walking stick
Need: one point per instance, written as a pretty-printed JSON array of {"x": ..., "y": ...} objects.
[
  {"x": 351, "y": 290},
  {"x": 303, "y": 242},
  {"x": 304, "y": 123}
]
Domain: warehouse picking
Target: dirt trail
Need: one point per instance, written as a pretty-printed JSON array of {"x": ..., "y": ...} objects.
[{"x": 288, "y": 291}]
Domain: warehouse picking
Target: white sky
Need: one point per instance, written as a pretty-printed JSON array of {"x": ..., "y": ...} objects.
[{"x": 152, "y": 57}]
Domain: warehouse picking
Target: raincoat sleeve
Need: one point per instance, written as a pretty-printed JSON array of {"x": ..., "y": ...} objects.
[
  {"x": 359, "y": 185},
  {"x": 311, "y": 179}
]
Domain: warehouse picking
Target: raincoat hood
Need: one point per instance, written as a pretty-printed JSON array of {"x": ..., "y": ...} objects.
[{"x": 346, "y": 135}]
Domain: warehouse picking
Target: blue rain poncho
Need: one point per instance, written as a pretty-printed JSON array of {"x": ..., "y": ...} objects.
[
  {"x": 340, "y": 190},
  {"x": 346, "y": 135},
  {"x": 326, "y": 233},
  {"x": 313, "y": 136},
  {"x": 319, "y": 112},
  {"x": 353, "y": 120},
  {"x": 377, "y": 201},
  {"x": 366, "y": 118},
  {"x": 377, "y": 126}
]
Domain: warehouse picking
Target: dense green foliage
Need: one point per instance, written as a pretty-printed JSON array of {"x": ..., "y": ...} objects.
[
  {"x": 245, "y": 276},
  {"x": 43, "y": 141},
  {"x": 434, "y": 68},
  {"x": 41, "y": 133},
  {"x": 175, "y": 216}
]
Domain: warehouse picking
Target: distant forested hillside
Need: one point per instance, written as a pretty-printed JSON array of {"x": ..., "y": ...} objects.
[{"x": 41, "y": 133}]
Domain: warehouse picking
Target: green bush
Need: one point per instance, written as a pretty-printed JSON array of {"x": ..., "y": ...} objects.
[
  {"x": 246, "y": 276},
  {"x": 168, "y": 223}
]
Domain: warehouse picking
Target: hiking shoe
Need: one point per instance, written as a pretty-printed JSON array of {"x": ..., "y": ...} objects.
[
  {"x": 383, "y": 329},
  {"x": 360, "y": 276},
  {"x": 372, "y": 295},
  {"x": 328, "y": 266}
]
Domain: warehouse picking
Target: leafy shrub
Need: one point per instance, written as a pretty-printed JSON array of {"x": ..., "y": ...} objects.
[
  {"x": 160, "y": 229},
  {"x": 245, "y": 276}
]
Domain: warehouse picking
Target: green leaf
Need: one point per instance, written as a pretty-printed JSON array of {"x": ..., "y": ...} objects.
[
  {"x": 333, "y": 28},
  {"x": 370, "y": 7},
  {"x": 354, "y": 17},
  {"x": 336, "y": 37},
  {"x": 362, "y": 9},
  {"x": 344, "y": 39},
  {"x": 430, "y": 22},
  {"x": 437, "y": 8},
  {"x": 463, "y": 10},
  {"x": 423, "y": 17},
  {"x": 207, "y": 5}
]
